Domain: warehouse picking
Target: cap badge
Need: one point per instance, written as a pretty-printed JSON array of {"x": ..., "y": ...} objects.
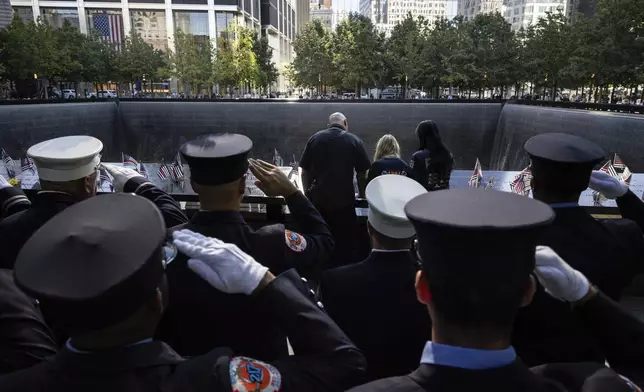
[
  {"x": 250, "y": 375},
  {"x": 295, "y": 241}
]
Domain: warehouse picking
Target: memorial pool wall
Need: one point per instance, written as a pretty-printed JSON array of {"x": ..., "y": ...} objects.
[{"x": 153, "y": 130}]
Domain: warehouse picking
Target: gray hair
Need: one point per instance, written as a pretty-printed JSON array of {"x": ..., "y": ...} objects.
[{"x": 337, "y": 118}]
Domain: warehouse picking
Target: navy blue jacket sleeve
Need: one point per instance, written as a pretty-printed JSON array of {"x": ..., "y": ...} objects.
[
  {"x": 169, "y": 207},
  {"x": 12, "y": 200},
  {"x": 325, "y": 359},
  {"x": 305, "y": 249},
  {"x": 24, "y": 337}
]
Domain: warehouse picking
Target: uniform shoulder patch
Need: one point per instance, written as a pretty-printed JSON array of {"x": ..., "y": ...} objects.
[
  {"x": 251, "y": 375},
  {"x": 295, "y": 241}
]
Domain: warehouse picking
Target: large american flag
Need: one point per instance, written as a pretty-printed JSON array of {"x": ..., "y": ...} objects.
[{"x": 110, "y": 26}]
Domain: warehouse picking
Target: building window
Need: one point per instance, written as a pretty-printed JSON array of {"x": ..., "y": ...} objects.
[
  {"x": 26, "y": 14},
  {"x": 150, "y": 25},
  {"x": 107, "y": 23},
  {"x": 57, "y": 16},
  {"x": 223, "y": 21},
  {"x": 194, "y": 23},
  {"x": 189, "y": 1}
]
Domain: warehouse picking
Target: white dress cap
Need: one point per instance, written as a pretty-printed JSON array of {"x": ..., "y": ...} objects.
[
  {"x": 387, "y": 196},
  {"x": 66, "y": 158}
]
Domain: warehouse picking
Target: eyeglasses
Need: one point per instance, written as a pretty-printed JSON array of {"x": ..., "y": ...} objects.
[{"x": 169, "y": 253}]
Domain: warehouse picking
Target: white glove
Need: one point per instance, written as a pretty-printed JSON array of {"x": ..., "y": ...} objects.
[
  {"x": 607, "y": 185},
  {"x": 4, "y": 183},
  {"x": 121, "y": 175},
  {"x": 558, "y": 278},
  {"x": 223, "y": 265}
]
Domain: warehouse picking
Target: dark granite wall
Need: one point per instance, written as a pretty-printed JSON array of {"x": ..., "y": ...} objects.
[
  {"x": 156, "y": 129},
  {"x": 151, "y": 131},
  {"x": 614, "y": 132},
  {"x": 22, "y": 126}
]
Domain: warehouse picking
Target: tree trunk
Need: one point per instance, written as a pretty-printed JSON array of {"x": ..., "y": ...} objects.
[
  {"x": 553, "y": 93},
  {"x": 612, "y": 95}
]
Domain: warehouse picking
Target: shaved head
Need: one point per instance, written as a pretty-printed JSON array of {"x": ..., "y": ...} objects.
[{"x": 337, "y": 118}]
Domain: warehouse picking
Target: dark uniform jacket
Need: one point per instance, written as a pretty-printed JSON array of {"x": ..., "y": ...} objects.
[
  {"x": 16, "y": 229},
  {"x": 12, "y": 200},
  {"x": 374, "y": 302},
  {"x": 199, "y": 317},
  {"x": 608, "y": 319},
  {"x": 25, "y": 340},
  {"x": 432, "y": 172},
  {"x": 326, "y": 360},
  {"x": 389, "y": 165},
  {"x": 610, "y": 253}
]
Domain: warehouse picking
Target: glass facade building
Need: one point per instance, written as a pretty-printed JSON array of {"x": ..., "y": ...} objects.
[
  {"x": 26, "y": 14},
  {"x": 57, "y": 16},
  {"x": 194, "y": 23},
  {"x": 151, "y": 26}
]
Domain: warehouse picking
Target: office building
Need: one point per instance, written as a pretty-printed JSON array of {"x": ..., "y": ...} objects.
[
  {"x": 6, "y": 14},
  {"x": 385, "y": 14},
  {"x": 523, "y": 13},
  {"x": 470, "y": 8},
  {"x": 157, "y": 20},
  {"x": 324, "y": 15}
]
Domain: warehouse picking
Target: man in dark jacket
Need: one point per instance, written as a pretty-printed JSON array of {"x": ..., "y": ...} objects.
[
  {"x": 473, "y": 296},
  {"x": 100, "y": 264},
  {"x": 12, "y": 199},
  {"x": 193, "y": 320},
  {"x": 328, "y": 163},
  {"x": 374, "y": 301},
  {"x": 609, "y": 252}
]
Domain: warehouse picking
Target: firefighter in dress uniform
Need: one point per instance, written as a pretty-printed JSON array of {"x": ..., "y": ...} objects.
[
  {"x": 473, "y": 296},
  {"x": 193, "y": 322},
  {"x": 100, "y": 265}
]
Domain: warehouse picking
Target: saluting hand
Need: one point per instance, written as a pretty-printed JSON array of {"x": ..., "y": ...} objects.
[
  {"x": 558, "y": 278},
  {"x": 121, "y": 175},
  {"x": 607, "y": 185},
  {"x": 270, "y": 179},
  {"x": 224, "y": 266}
]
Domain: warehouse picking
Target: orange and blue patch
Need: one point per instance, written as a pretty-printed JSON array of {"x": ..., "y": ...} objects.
[
  {"x": 250, "y": 375},
  {"x": 295, "y": 241}
]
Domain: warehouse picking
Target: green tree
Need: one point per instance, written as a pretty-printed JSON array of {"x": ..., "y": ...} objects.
[
  {"x": 100, "y": 61},
  {"x": 549, "y": 45},
  {"x": 191, "y": 61},
  {"x": 267, "y": 73},
  {"x": 138, "y": 60},
  {"x": 404, "y": 52},
  {"x": 19, "y": 50},
  {"x": 357, "y": 51},
  {"x": 235, "y": 63},
  {"x": 71, "y": 55},
  {"x": 313, "y": 65}
]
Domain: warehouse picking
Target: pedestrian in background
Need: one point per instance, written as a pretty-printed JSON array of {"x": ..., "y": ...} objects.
[
  {"x": 387, "y": 159},
  {"x": 433, "y": 163}
]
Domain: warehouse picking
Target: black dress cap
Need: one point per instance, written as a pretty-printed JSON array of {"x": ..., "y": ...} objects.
[
  {"x": 217, "y": 159},
  {"x": 565, "y": 161},
  {"x": 478, "y": 235},
  {"x": 96, "y": 263}
]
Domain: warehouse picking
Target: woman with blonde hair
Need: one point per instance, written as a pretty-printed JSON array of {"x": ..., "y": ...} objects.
[{"x": 387, "y": 160}]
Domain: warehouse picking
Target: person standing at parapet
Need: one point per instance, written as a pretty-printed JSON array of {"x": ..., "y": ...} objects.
[
  {"x": 199, "y": 317},
  {"x": 328, "y": 163},
  {"x": 433, "y": 163},
  {"x": 609, "y": 252},
  {"x": 386, "y": 159},
  {"x": 67, "y": 169},
  {"x": 374, "y": 301}
]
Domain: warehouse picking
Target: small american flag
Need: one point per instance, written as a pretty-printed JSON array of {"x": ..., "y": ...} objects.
[
  {"x": 295, "y": 166},
  {"x": 626, "y": 175},
  {"x": 609, "y": 168},
  {"x": 109, "y": 26},
  {"x": 617, "y": 162},
  {"x": 27, "y": 164},
  {"x": 490, "y": 183},
  {"x": 477, "y": 175},
  {"x": 8, "y": 164},
  {"x": 104, "y": 179},
  {"x": 176, "y": 171},
  {"x": 163, "y": 172},
  {"x": 519, "y": 185},
  {"x": 143, "y": 172},
  {"x": 129, "y": 162},
  {"x": 277, "y": 159}
]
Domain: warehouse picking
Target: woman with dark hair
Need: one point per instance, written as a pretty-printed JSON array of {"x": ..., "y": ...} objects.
[{"x": 432, "y": 164}]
